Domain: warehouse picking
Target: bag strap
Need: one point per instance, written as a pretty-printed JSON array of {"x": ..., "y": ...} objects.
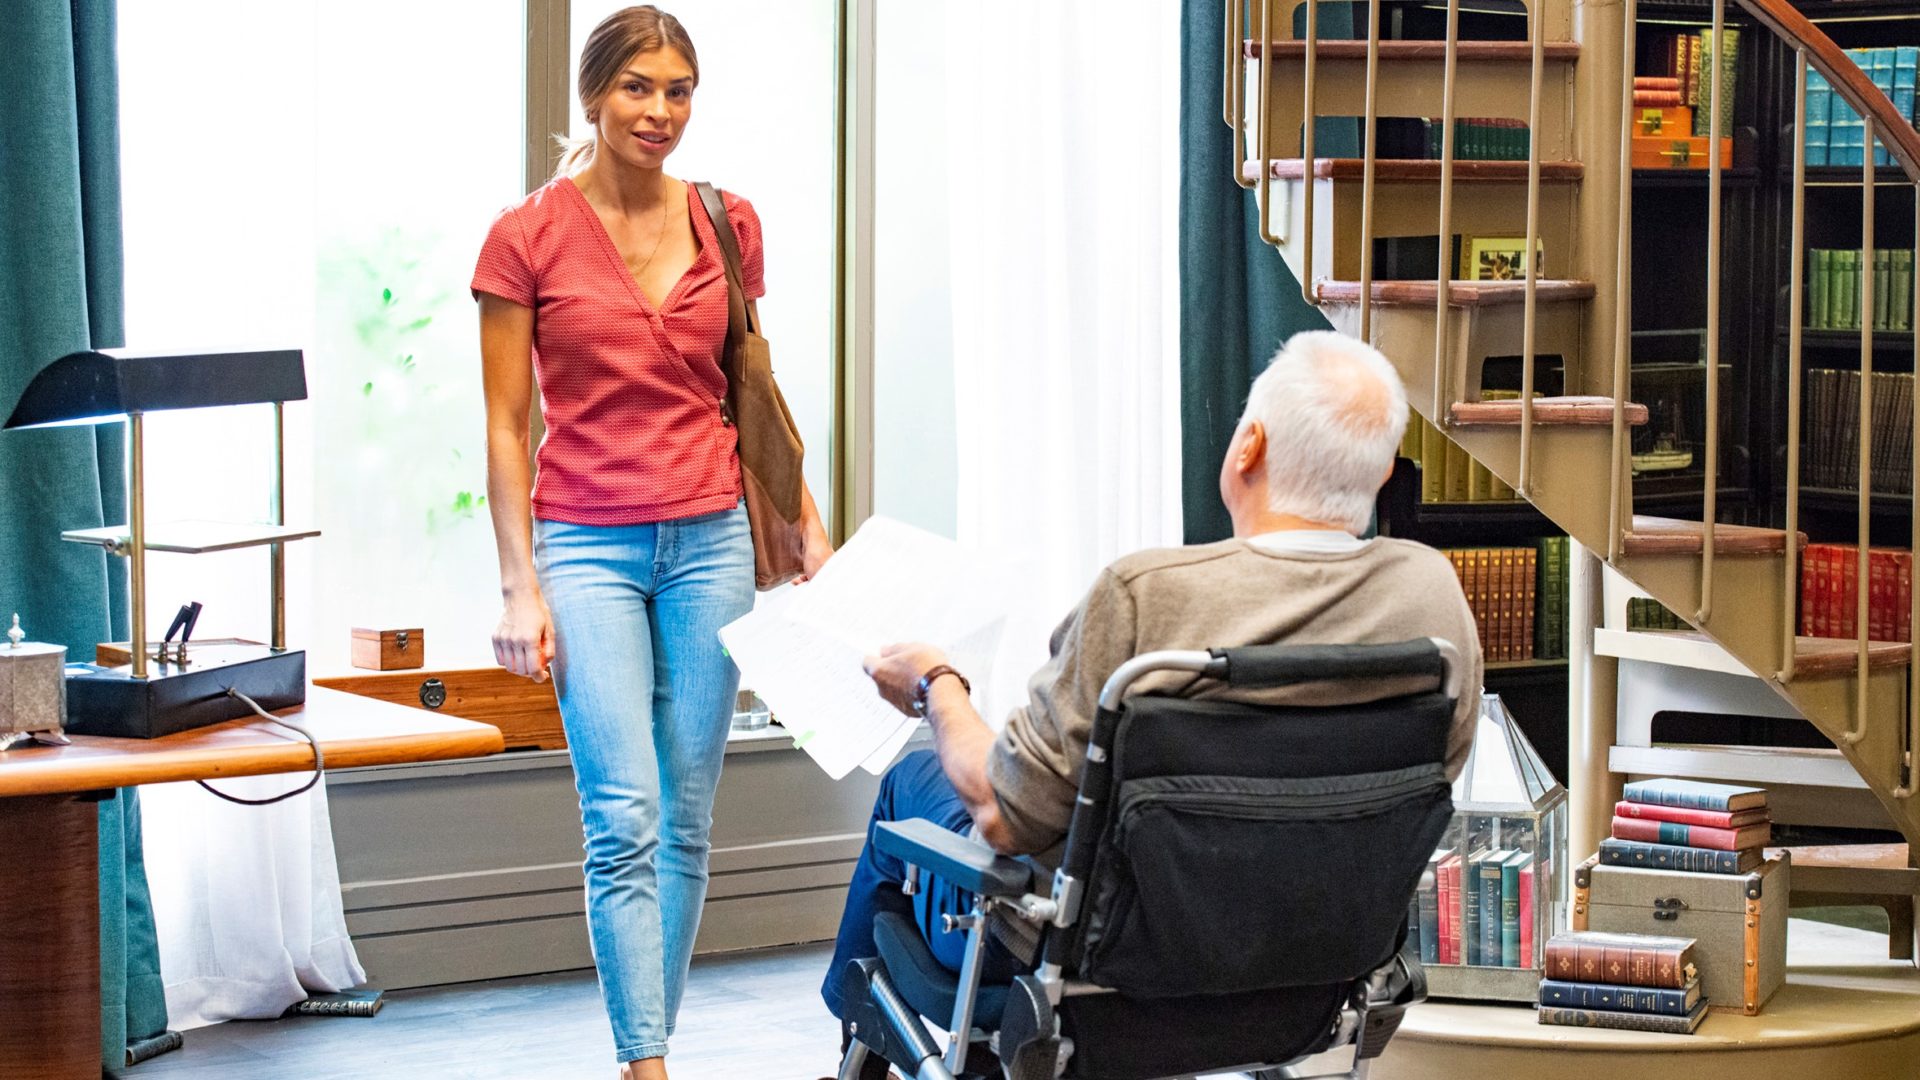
[{"x": 729, "y": 250}]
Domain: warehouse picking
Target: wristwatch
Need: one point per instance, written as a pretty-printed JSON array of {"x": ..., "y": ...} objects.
[{"x": 925, "y": 686}]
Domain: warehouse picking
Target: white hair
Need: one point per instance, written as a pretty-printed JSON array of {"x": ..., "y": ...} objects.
[{"x": 1334, "y": 411}]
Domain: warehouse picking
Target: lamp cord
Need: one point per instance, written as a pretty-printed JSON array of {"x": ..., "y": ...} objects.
[{"x": 319, "y": 759}]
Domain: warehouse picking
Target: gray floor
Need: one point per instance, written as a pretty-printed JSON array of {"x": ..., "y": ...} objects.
[{"x": 746, "y": 1015}]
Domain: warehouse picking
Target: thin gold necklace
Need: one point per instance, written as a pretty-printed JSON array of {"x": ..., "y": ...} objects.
[{"x": 656, "y": 240}]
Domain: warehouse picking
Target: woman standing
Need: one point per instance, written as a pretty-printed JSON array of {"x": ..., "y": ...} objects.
[{"x": 619, "y": 566}]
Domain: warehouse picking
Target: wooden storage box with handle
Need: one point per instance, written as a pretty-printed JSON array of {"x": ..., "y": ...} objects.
[
  {"x": 1738, "y": 920},
  {"x": 389, "y": 650}
]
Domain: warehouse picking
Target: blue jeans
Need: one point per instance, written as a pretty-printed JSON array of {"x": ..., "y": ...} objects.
[
  {"x": 646, "y": 694},
  {"x": 914, "y": 788}
]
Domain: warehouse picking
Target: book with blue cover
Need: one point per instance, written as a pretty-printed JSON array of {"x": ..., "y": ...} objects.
[
  {"x": 1486, "y": 897},
  {"x": 1674, "y": 857},
  {"x": 1640, "y": 999},
  {"x": 1878, "y": 63},
  {"x": 1510, "y": 907},
  {"x": 1696, "y": 794},
  {"x": 1819, "y": 104}
]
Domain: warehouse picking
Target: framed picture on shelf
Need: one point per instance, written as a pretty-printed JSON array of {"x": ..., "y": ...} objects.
[{"x": 1498, "y": 258}]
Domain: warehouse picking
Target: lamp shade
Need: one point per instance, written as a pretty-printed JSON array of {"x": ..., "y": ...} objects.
[{"x": 94, "y": 387}]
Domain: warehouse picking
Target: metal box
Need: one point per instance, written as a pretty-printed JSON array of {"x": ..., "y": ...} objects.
[{"x": 1738, "y": 920}]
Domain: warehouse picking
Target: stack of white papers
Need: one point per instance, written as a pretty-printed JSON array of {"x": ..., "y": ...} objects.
[{"x": 803, "y": 649}]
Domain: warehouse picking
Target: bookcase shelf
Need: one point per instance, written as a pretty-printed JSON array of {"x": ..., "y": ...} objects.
[
  {"x": 1884, "y": 341},
  {"x": 1739, "y": 176}
]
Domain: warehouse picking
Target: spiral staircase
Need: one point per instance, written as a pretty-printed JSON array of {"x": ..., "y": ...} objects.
[{"x": 1572, "y": 84}]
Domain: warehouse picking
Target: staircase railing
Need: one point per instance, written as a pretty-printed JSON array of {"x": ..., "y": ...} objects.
[{"x": 1813, "y": 50}]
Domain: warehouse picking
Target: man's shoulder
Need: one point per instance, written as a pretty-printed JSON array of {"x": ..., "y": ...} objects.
[
  {"x": 1381, "y": 550},
  {"x": 1129, "y": 568}
]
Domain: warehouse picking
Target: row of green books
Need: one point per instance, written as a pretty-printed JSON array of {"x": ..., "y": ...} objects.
[
  {"x": 1834, "y": 283},
  {"x": 1836, "y": 135}
]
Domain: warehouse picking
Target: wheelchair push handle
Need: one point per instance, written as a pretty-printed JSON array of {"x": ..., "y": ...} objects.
[{"x": 1284, "y": 665}]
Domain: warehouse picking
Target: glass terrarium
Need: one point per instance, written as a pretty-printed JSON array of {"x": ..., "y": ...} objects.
[{"x": 1495, "y": 890}]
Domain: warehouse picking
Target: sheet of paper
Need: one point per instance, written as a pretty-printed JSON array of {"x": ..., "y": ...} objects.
[{"x": 803, "y": 652}]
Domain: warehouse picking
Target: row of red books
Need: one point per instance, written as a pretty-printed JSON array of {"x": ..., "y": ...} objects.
[{"x": 1829, "y": 592}]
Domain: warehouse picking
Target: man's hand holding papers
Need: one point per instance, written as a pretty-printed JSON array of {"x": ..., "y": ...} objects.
[{"x": 803, "y": 650}]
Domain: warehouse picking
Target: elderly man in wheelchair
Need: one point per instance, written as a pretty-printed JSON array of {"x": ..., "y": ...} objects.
[{"x": 1225, "y": 783}]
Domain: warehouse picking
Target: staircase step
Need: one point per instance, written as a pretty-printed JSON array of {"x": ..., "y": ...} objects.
[
  {"x": 1520, "y": 52},
  {"x": 1406, "y": 170},
  {"x": 1588, "y": 411},
  {"x": 1814, "y": 657},
  {"x": 1459, "y": 293},
  {"x": 1758, "y": 765},
  {"x": 1673, "y": 536},
  {"x": 1852, "y": 868}
]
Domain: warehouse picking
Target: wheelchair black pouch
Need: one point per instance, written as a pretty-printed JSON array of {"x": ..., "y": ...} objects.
[{"x": 1209, "y": 884}]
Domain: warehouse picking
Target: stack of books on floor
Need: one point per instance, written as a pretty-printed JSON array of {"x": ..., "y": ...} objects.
[
  {"x": 1636, "y": 982},
  {"x": 1689, "y": 825}
]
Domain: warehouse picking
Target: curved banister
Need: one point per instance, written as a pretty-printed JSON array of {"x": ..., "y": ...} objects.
[{"x": 1853, "y": 85}]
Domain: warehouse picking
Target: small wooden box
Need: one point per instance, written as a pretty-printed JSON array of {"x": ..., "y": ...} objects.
[
  {"x": 1738, "y": 920},
  {"x": 389, "y": 650}
]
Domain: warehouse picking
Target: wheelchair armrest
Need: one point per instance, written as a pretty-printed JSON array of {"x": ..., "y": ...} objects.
[{"x": 965, "y": 863}]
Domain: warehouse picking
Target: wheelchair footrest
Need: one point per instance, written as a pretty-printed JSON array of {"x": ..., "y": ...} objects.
[{"x": 1380, "y": 1025}]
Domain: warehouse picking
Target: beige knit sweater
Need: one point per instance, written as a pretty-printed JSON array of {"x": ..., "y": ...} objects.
[{"x": 1225, "y": 594}]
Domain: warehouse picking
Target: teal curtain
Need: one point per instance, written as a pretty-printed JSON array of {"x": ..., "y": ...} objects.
[
  {"x": 1238, "y": 299},
  {"x": 60, "y": 290}
]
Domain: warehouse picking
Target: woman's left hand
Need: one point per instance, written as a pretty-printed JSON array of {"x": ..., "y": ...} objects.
[{"x": 819, "y": 550}]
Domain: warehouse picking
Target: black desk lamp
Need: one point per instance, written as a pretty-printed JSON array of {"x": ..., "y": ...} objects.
[{"x": 98, "y": 387}]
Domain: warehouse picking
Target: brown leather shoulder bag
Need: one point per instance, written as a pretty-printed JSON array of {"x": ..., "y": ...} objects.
[{"x": 770, "y": 447}]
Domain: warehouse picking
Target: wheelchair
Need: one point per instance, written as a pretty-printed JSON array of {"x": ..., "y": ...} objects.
[{"x": 1234, "y": 891}]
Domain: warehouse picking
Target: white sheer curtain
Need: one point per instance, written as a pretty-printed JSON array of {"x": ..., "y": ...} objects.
[
  {"x": 1062, "y": 129},
  {"x": 246, "y": 899}
]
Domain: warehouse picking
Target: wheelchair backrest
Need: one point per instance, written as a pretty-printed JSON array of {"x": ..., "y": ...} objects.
[{"x": 1229, "y": 846}]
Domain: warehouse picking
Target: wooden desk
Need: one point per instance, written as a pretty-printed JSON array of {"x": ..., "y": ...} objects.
[{"x": 49, "y": 890}]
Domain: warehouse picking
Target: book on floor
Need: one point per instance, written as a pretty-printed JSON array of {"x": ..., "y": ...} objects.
[{"x": 1624, "y": 1021}]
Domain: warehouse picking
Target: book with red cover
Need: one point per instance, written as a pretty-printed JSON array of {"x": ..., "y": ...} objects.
[
  {"x": 1650, "y": 831},
  {"x": 1589, "y": 956},
  {"x": 1712, "y": 819}
]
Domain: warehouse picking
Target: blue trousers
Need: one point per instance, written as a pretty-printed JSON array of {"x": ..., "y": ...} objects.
[
  {"x": 646, "y": 694},
  {"x": 914, "y": 788}
]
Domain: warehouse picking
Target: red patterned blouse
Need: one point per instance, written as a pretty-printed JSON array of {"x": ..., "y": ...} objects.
[{"x": 630, "y": 394}]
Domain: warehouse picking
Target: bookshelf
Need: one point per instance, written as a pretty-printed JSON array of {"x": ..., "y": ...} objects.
[{"x": 1829, "y": 511}]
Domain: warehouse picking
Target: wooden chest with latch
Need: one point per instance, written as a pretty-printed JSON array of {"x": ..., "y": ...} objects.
[{"x": 1739, "y": 921}]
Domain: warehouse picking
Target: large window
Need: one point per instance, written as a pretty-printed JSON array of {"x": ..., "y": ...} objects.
[{"x": 320, "y": 175}]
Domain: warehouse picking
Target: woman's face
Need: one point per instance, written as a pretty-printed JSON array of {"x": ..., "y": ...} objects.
[{"x": 642, "y": 117}]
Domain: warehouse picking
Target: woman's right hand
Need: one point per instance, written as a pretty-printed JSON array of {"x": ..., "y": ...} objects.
[{"x": 523, "y": 642}]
